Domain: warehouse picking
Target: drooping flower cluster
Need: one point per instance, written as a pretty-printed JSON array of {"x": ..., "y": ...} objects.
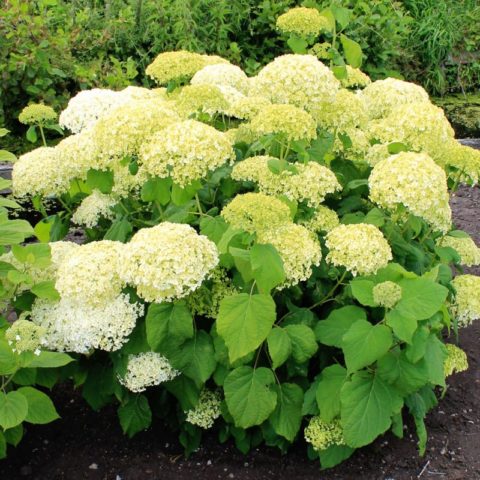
[
  {"x": 387, "y": 294},
  {"x": 322, "y": 435},
  {"x": 466, "y": 306},
  {"x": 167, "y": 262},
  {"x": 93, "y": 208},
  {"x": 146, "y": 370},
  {"x": 185, "y": 151},
  {"x": 25, "y": 336},
  {"x": 308, "y": 183},
  {"x": 304, "y": 22},
  {"x": 466, "y": 248},
  {"x": 361, "y": 248},
  {"x": 206, "y": 411},
  {"x": 416, "y": 182},
  {"x": 456, "y": 360},
  {"x": 37, "y": 114}
]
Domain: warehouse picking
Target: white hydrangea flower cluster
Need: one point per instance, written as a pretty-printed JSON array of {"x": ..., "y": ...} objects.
[
  {"x": 167, "y": 262},
  {"x": 94, "y": 207},
  {"x": 466, "y": 248},
  {"x": 361, "y": 248},
  {"x": 322, "y": 435},
  {"x": 203, "y": 98},
  {"x": 387, "y": 294},
  {"x": 309, "y": 182},
  {"x": 466, "y": 307},
  {"x": 25, "y": 336},
  {"x": 416, "y": 182},
  {"x": 456, "y": 360},
  {"x": 355, "y": 78},
  {"x": 323, "y": 220},
  {"x": 185, "y": 151},
  {"x": 302, "y": 21},
  {"x": 147, "y": 370},
  {"x": 248, "y": 107},
  {"x": 463, "y": 163},
  {"x": 222, "y": 74},
  {"x": 206, "y": 411}
]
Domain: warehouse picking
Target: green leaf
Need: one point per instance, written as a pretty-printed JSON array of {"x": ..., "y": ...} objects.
[
  {"x": 50, "y": 360},
  {"x": 362, "y": 290},
  {"x": 243, "y": 263},
  {"x": 287, "y": 416},
  {"x": 267, "y": 267},
  {"x": 32, "y": 134},
  {"x": 156, "y": 190},
  {"x": 13, "y": 436},
  {"x": 135, "y": 415},
  {"x": 332, "y": 456},
  {"x": 303, "y": 342},
  {"x": 331, "y": 331},
  {"x": 14, "y": 231},
  {"x": 100, "y": 180},
  {"x": 3, "y": 445},
  {"x": 119, "y": 231},
  {"x": 365, "y": 343},
  {"x": 297, "y": 44},
  {"x": 403, "y": 327},
  {"x": 180, "y": 196},
  {"x": 342, "y": 15},
  {"x": 196, "y": 357},
  {"x": 244, "y": 322},
  {"x": 40, "y": 408},
  {"x": 396, "y": 147},
  {"x": 328, "y": 391},
  {"x": 249, "y": 399},
  {"x": 213, "y": 228},
  {"x": 6, "y": 156},
  {"x": 46, "y": 290},
  {"x": 185, "y": 390},
  {"x": 416, "y": 350},
  {"x": 420, "y": 298},
  {"x": 368, "y": 404},
  {"x": 42, "y": 230},
  {"x": 13, "y": 409},
  {"x": 167, "y": 321},
  {"x": 435, "y": 355},
  {"x": 8, "y": 359},
  {"x": 279, "y": 346},
  {"x": 352, "y": 50}
]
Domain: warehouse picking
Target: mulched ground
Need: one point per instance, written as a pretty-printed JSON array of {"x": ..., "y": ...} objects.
[{"x": 89, "y": 445}]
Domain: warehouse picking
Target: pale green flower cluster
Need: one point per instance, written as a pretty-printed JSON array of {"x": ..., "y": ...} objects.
[
  {"x": 456, "y": 360},
  {"x": 466, "y": 248},
  {"x": 222, "y": 74},
  {"x": 206, "y": 411},
  {"x": 359, "y": 145},
  {"x": 463, "y": 163},
  {"x": 361, "y": 248},
  {"x": 322, "y": 435},
  {"x": 248, "y": 107},
  {"x": 25, "y": 336},
  {"x": 298, "y": 249},
  {"x": 147, "y": 370},
  {"x": 304, "y": 22},
  {"x": 376, "y": 153},
  {"x": 308, "y": 183},
  {"x": 323, "y": 220},
  {"x": 300, "y": 80},
  {"x": 167, "y": 262},
  {"x": 205, "y": 98},
  {"x": 38, "y": 114},
  {"x": 387, "y": 294},
  {"x": 179, "y": 66},
  {"x": 466, "y": 307},
  {"x": 416, "y": 182},
  {"x": 254, "y": 212},
  {"x": 185, "y": 151},
  {"x": 292, "y": 122},
  {"x": 96, "y": 206},
  {"x": 355, "y": 78}
]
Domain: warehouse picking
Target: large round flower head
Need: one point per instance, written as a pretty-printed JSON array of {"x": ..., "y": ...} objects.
[
  {"x": 254, "y": 212},
  {"x": 416, "y": 182},
  {"x": 206, "y": 411},
  {"x": 304, "y": 22},
  {"x": 382, "y": 96},
  {"x": 300, "y": 80},
  {"x": 37, "y": 114},
  {"x": 80, "y": 327},
  {"x": 308, "y": 183},
  {"x": 361, "y": 248},
  {"x": 147, "y": 370},
  {"x": 39, "y": 172},
  {"x": 185, "y": 151},
  {"x": 223, "y": 74},
  {"x": 466, "y": 307},
  {"x": 466, "y": 248},
  {"x": 94, "y": 207},
  {"x": 456, "y": 360},
  {"x": 423, "y": 127},
  {"x": 140, "y": 93},
  {"x": 87, "y": 107},
  {"x": 387, "y": 294},
  {"x": 463, "y": 163},
  {"x": 90, "y": 274},
  {"x": 25, "y": 336},
  {"x": 322, "y": 435},
  {"x": 347, "y": 111},
  {"x": 201, "y": 98},
  {"x": 247, "y": 107},
  {"x": 168, "y": 261},
  {"x": 179, "y": 66},
  {"x": 287, "y": 120},
  {"x": 125, "y": 128},
  {"x": 323, "y": 220},
  {"x": 298, "y": 248},
  {"x": 355, "y": 78}
]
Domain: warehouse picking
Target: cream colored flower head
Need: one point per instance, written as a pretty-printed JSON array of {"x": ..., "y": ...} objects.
[
  {"x": 387, "y": 294},
  {"x": 416, "y": 182},
  {"x": 361, "y": 248},
  {"x": 248, "y": 107},
  {"x": 185, "y": 151},
  {"x": 222, "y": 74},
  {"x": 462, "y": 163},
  {"x": 322, "y": 435},
  {"x": 323, "y": 220},
  {"x": 355, "y": 78},
  {"x": 25, "y": 336},
  {"x": 465, "y": 247},
  {"x": 456, "y": 360},
  {"x": 202, "y": 98},
  {"x": 38, "y": 114},
  {"x": 167, "y": 262},
  {"x": 206, "y": 411},
  {"x": 466, "y": 305},
  {"x": 304, "y": 22},
  {"x": 93, "y": 208}
]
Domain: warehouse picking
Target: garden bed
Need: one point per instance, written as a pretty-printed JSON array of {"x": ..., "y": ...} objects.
[{"x": 89, "y": 445}]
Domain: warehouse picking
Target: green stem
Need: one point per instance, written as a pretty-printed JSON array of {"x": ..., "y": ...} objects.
[
  {"x": 330, "y": 293},
  {"x": 199, "y": 206},
  {"x": 42, "y": 135},
  {"x": 64, "y": 205}
]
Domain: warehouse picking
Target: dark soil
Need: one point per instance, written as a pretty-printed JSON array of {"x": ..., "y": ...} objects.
[{"x": 90, "y": 445}]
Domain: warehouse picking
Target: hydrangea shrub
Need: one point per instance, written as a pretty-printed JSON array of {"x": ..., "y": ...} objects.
[{"x": 269, "y": 257}]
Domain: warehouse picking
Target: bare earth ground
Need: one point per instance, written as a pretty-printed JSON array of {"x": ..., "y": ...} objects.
[{"x": 89, "y": 445}]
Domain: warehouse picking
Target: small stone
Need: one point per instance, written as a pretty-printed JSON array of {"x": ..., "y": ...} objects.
[
  {"x": 209, "y": 462},
  {"x": 93, "y": 466},
  {"x": 245, "y": 464},
  {"x": 231, "y": 475}
]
